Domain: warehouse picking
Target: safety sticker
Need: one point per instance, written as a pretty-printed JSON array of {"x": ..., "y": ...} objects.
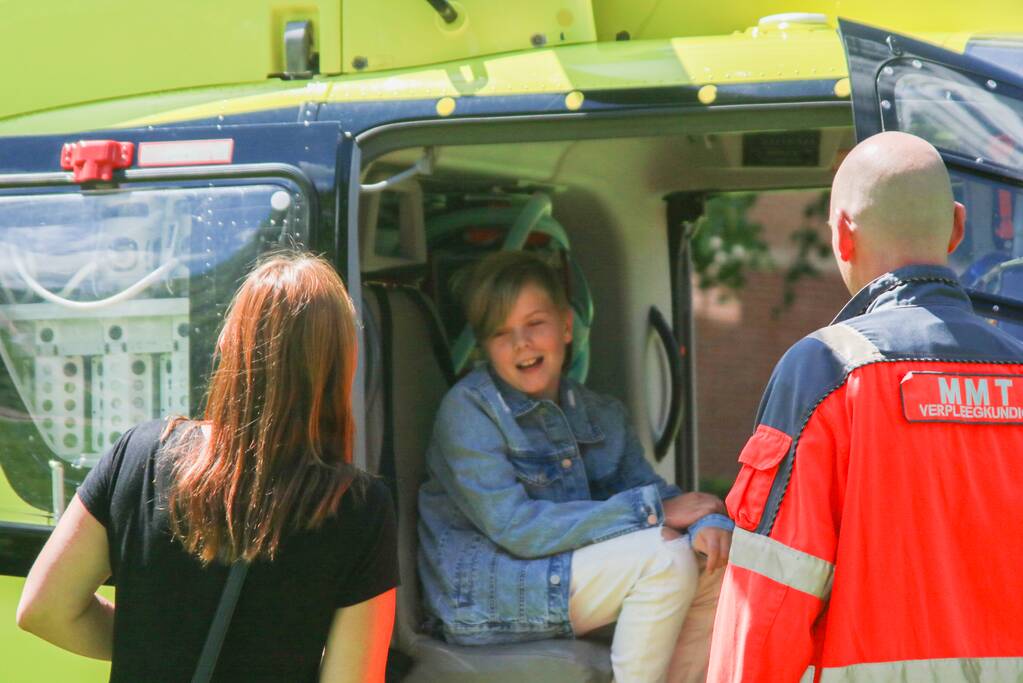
[
  {"x": 954, "y": 397},
  {"x": 186, "y": 152}
]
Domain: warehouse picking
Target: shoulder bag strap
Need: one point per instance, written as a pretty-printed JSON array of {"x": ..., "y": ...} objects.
[{"x": 221, "y": 620}]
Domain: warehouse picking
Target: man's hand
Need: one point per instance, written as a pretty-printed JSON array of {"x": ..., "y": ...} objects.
[
  {"x": 681, "y": 511},
  {"x": 715, "y": 544}
]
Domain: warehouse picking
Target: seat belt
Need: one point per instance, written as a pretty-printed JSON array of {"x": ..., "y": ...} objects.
[
  {"x": 388, "y": 468},
  {"x": 441, "y": 347},
  {"x": 441, "y": 351}
]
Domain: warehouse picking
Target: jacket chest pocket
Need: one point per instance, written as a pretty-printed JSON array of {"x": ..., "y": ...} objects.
[
  {"x": 542, "y": 476},
  {"x": 760, "y": 459}
]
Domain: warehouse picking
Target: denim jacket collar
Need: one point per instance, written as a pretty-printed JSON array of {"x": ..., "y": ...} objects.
[
  {"x": 570, "y": 401},
  {"x": 909, "y": 285}
]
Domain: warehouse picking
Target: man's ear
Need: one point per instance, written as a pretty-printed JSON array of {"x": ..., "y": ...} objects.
[
  {"x": 845, "y": 243},
  {"x": 568, "y": 326},
  {"x": 958, "y": 226}
]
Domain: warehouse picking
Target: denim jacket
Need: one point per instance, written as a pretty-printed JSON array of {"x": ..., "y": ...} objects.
[{"x": 513, "y": 486}]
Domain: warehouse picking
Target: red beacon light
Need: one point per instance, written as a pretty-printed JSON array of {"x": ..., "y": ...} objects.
[{"x": 95, "y": 160}]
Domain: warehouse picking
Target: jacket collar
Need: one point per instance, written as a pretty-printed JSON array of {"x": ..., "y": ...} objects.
[
  {"x": 570, "y": 401},
  {"x": 918, "y": 285}
]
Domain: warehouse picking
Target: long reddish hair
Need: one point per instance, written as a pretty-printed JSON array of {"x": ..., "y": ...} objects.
[{"x": 277, "y": 458}]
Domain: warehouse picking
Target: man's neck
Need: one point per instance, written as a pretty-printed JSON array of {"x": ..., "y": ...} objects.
[{"x": 863, "y": 276}]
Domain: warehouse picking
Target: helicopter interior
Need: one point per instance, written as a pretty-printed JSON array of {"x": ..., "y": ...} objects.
[
  {"x": 608, "y": 194},
  {"x": 599, "y": 201}
]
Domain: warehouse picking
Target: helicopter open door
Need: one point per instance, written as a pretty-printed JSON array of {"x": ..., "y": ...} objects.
[{"x": 972, "y": 112}]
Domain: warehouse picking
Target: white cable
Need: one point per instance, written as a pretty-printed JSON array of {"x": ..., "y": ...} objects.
[{"x": 88, "y": 305}]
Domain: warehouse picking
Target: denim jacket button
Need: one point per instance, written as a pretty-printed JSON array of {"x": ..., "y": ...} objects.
[
  {"x": 566, "y": 463},
  {"x": 555, "y": 580},
  {"x": 651, "y": 520}
]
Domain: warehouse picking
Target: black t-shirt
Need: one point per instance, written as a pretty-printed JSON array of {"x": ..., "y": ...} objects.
[{"x": 166, "y": 599}]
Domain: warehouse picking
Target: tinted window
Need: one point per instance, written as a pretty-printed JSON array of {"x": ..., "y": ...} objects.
[
  {"x": 977, "y": 123},
  {"x": 990, "y": 257},
  {"x": 978, "y": 119},
  {"x": 109, "y": 309}
]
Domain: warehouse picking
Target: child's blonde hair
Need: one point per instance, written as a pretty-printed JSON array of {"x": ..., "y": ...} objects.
[{"x": 496, "y": 283}]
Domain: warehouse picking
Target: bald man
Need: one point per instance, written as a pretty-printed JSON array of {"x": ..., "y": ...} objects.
[{"x": 878, "y": 518}]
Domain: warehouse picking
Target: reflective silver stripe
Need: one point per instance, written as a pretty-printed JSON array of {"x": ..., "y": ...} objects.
[
  {"x": 780, "y": 563},
  {"x": 850, "y": 344},
  {"x": 971, "y": 670}
]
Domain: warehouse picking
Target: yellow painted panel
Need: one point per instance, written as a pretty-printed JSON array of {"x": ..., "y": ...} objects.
[
  {"x": 767, "y": 53},
  {"x": 395, "y": 34},
  {"x": 60, "y": 52},
  {"x": 290, "y": 96},
  {"x": 644, "y": 19},
  {"x": 100, "y": 51},
  {"x": 754, "y": 56},
  {"x": 14, "y": 509},
  {"x": 28, "y": 659}
]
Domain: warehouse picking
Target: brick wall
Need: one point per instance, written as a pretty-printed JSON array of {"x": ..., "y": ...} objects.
[{"x": 739, "y": 339}]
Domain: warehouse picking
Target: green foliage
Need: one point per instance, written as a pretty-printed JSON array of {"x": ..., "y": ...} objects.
[
  {"x": 811, "y": 249},
  {"x": 726, "y": 245}
]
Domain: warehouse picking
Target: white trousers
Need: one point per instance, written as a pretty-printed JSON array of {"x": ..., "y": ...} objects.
[{"x": 654, "y": 589}]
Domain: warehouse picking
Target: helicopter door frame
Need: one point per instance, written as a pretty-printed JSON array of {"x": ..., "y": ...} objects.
[
  {"x": 378, "y": 140},
  {"x": 971, "y": 111}
]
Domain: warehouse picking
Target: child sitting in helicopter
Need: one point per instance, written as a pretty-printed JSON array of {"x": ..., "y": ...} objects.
[{"x": 540, "y": 516}]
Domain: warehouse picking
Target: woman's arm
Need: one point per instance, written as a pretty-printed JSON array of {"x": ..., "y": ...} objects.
[
  {"x": 59, "y": 602},
  {"x": 357, "y": 644}
]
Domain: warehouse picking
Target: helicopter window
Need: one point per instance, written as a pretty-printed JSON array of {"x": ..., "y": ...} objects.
[
  {"x": 990, "y": 257},
  {"x": 978, "y": 119},
  {"x": 109, "y": 308}
]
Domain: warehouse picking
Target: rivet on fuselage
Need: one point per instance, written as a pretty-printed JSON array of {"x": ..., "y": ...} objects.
[
  {"x": 707, "y": 94},
  {"x": 446, "y": 106}
]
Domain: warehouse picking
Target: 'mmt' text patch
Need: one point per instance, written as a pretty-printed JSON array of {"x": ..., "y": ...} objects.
[{"x": 953, "y": 397}]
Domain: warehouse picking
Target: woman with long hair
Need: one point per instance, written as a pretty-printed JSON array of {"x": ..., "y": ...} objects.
[{"x": 266, "y": 479}]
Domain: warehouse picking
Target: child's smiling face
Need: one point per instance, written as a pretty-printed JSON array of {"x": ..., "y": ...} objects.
[{"x": 528, "y": 349}]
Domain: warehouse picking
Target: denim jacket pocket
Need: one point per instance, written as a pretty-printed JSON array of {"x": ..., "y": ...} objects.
[
  {"x": 473, "y": 580},
  {"x": 760, "y": 459},
  {"x": 541, "y": 475}
]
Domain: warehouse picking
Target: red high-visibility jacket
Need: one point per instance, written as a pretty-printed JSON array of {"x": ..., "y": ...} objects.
[{"x": 879, "y": 508}]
